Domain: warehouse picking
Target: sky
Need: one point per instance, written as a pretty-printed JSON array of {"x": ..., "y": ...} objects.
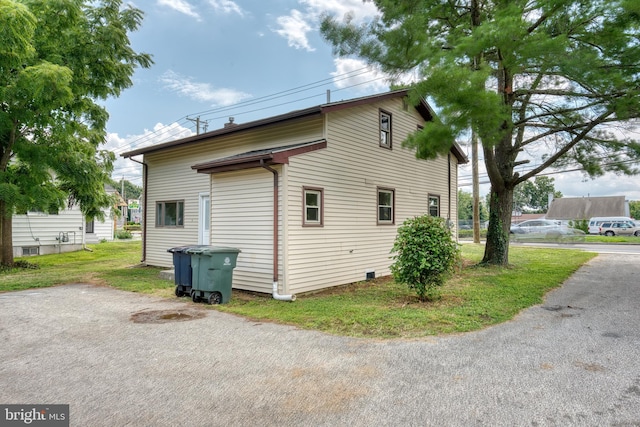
[{"x": 249, "y": 59}]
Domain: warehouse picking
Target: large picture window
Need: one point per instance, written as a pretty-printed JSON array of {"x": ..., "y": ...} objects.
[
  {"x": 385, "y": 129},
  {"x": 313, "y": 199},
  {"x": 170, "y": 213},
  {"x": 386, "y": 211},
  {"x": 434, "y": 205}
]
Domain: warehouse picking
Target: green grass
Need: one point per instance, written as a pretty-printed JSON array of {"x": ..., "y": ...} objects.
[
  {"x": 613, "y": 239},
  {"x": 111, "y": 263},
  {"x": 475, "y": 297}
]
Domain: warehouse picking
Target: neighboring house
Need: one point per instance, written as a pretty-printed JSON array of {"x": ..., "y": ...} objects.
[
  {"x": 38, "y": 233},
  {"x": 583, "y": 208},
  {"x": 312, "y": 198},
  {"x": 516, "y": 219}
]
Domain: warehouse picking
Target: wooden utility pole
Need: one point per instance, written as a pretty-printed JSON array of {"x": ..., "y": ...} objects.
[{"x": 476, "y": 187}]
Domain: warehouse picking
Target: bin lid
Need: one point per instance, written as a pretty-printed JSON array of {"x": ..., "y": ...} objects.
[
  {"x": 184, "y": 249},
  {"x": 210, "y": 250}
]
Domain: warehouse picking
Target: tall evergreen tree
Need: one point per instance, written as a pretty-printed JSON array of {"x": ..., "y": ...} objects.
[
  {"x": 542, "y": 83},
  {"x": 57, "y": 58}
]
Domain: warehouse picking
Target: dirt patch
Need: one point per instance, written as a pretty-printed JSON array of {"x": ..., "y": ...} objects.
[{"x": 165, "y": 316}]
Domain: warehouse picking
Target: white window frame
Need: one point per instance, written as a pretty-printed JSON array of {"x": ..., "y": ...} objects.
[
  {"x": 436, "y": 198},
  {"x": 391, "y": 206},
  {"x": 385, "y": 129},
  {"x": 319, "y": 192}
]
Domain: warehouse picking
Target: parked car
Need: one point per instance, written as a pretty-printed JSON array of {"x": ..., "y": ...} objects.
[
  {"x": 545, "y": 229},
  {"x": 619, "y": 228},
  {"x": 596, "y": 222}
]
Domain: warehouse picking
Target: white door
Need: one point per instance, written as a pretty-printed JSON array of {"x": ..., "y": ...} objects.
[{"x": 204, "y": 221}]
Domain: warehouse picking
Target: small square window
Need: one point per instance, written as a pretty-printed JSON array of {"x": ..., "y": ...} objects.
[
  {"x": 434, "y": 205},
  {"x": 385, "y": 129},
  {"x": 386, "y": 206},
  {"x": 313, "y": 206},
  {"x": 170, "y": 214}
]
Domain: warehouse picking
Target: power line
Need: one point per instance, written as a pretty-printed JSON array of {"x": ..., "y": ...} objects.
[
  {"x": 485, "y": 176},
  {"x": 299, "y": 89}
]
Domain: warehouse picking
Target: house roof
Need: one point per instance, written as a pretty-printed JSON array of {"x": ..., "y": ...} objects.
[
  {"x": 423, "y": 108},
  {"x": 587, "y": 207},
  {"x": 256, "y": 158}
]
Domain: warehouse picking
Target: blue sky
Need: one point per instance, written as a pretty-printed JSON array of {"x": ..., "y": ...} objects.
[{"x": 252, "y": 59}]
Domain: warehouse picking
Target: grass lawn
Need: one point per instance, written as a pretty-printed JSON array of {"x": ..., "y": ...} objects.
[
  {"x": 114, "y": 264},
  {"x": 474, "y": 298}
]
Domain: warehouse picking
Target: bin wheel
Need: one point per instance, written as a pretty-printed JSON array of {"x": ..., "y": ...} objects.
[
  {"x": 179, "y": 293},
  {"x": 194, "y": 296},
  {"x": 215, "y": 298}
]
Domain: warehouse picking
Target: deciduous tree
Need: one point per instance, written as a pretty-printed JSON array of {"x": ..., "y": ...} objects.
[
  {"x": 57, "y": 59},
  {"x": 533, "y": 196},
  {"x": 541, "y": 82}
]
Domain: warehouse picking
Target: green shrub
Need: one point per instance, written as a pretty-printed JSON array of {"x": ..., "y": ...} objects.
[
  {"x": 123, "y": 234},
  {"x": 468, "y": 234},
  {"x": 424, "y": 254},
  {"x": 580, "y": 224}
]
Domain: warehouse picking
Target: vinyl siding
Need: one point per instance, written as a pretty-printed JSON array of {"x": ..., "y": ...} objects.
[
  {"x": 350, "y": 170},
  {"x": 170, "y": 177},
  {"x": 242, "y": 217},
  {"x": 44, "y": 231}
]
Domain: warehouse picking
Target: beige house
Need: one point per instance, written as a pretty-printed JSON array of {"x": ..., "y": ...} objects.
[{"x": 312, "y": 198}]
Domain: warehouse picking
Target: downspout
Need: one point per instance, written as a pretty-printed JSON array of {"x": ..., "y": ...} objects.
[
  {"x": 449, "y": 183},
  {"x": 275, "y": 293},
  {"x": 144, "y": 208}
]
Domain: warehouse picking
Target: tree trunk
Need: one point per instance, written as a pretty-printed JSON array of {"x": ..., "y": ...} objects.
[
  {"x": 496, "y": 250},
  {"x": 6, "y": 236}
]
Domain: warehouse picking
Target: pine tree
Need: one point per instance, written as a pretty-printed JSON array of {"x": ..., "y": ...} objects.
[{"x": 543, "y": 83}]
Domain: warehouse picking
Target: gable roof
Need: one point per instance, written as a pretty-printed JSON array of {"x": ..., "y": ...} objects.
[
  {"x": 423, "y": 108},
  {"x": 587, "y": 207}
]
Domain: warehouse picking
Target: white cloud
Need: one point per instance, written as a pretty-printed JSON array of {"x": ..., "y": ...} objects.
[
  {"x": 185, "y": 86},
  {"x": 296, "y": 26},
  {"x": 181, "y": 6},
  {"x": 357, "y": 10},
  {"x": 226, "y": 6},
  {"x": 131, "y": 170},
  {"x": 355, "y": 72}
]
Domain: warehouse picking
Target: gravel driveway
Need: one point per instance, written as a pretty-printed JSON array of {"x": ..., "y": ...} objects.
[{"x": 123, "y": 359}]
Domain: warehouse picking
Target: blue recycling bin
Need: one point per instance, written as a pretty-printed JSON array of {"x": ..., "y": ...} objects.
[{"x": 182, "y": 269}]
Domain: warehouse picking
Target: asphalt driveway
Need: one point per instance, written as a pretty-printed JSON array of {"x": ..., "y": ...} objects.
[{"x": 122, "y": 359}]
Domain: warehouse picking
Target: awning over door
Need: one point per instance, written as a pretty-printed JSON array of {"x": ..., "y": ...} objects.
[{"x": 257, "y": 158}]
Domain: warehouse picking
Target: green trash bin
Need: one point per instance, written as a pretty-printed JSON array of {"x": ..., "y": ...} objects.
[{"x": 212, "y": 273}]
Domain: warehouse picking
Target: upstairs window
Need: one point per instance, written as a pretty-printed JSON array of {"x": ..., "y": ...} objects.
[
  {"x": 313, "y": 207},
  {"x": 170, "y": 213},
  {"x": 385, "y": 129},
  {"x": 386, "y": 198},
  {"x": 434, "y": 205}
]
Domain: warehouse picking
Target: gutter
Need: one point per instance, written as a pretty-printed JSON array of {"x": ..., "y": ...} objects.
[{"x": 275, "y": 293}]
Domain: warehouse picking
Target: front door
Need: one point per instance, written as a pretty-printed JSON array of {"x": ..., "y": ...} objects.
[{"x": 204, "y": 221}]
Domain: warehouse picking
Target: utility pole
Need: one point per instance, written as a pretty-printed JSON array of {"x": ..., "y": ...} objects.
[
  {"x": 197, "y": 122},
  {"x": 476, "y": 187}
]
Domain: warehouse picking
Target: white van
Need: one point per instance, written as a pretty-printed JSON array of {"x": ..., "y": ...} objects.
[{"x": 594, "y": 223}]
